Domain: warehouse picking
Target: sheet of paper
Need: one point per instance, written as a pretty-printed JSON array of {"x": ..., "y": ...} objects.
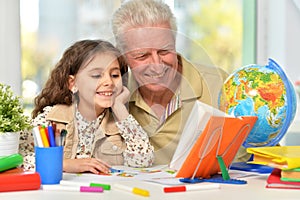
[{"x": 124, "y": 174}]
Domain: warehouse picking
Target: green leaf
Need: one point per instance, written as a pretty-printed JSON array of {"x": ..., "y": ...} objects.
[{"x": 12, "y": 117}]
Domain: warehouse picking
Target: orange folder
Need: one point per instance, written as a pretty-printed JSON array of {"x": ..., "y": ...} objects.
[{"x": 222, "y": 136}]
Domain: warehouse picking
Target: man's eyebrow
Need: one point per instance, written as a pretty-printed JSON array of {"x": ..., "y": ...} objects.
[
  {"x": 168, "y": 46},
  {"x": 139, "y": 52}
]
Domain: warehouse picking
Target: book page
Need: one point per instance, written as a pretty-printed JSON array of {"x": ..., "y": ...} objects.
[{"x": 195, "y": 124}]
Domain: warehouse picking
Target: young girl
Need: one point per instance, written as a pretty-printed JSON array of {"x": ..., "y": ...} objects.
[{"x": 85, "y": 96}]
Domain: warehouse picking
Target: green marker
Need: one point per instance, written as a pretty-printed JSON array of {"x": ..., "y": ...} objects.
[
  {"x": 10, "y": 161},
  {"x": 104, "y": 186}
]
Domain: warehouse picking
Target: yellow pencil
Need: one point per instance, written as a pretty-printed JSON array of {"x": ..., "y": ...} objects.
[{"x": 44, "y": 136}]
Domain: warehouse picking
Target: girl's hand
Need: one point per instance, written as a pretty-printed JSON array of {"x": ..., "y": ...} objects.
[
  {"x": 93, "y": 165},
  {"x": 119, "y": 109},
  {"x": 123, "y": 96}
]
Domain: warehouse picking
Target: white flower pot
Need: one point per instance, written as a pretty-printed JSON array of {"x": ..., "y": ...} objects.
[{"x": 9, "y": 143}]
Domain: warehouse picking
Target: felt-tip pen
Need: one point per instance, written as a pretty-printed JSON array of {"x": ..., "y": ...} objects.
[
  {"x": 72, "y": 183},
  {"x": 133, "y": 190},
  {"x": 72, "y": 188},
  {"x": 193, "y": 187}
]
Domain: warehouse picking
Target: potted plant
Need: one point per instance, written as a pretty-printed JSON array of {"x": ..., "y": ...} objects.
[{"x": 12, "y": 120}]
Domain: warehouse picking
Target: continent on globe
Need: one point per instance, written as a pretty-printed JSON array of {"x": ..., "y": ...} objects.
[{"x": 265, "y": 92}]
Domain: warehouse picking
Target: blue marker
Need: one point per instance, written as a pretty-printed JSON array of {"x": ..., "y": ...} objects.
[
  {"x": 51, "y": 136},
  {"x": 112, "y": 170}
]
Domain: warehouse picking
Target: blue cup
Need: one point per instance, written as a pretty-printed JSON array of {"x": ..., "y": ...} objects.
[{"x": 49, "y": 164}]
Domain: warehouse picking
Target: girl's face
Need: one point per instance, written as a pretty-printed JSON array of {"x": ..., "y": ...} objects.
[{"x": 98, "y": 83}]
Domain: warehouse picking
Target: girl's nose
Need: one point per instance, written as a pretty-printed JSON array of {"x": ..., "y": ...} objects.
[{"x": 106, "y": 80}]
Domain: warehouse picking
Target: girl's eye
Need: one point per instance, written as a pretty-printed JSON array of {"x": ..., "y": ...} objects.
[
  {"x": 96, "y": 75},
  {"x": 115, "y": 75}
]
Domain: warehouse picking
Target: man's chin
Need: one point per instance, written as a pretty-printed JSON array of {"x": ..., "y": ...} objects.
[{"x": 156, "y": 87}]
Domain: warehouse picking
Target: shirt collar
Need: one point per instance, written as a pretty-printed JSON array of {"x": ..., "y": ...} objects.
[{"x": 83, "y": 123}]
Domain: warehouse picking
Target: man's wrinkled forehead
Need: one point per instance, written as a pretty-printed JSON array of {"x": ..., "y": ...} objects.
[{"x": 152, "y": 37}]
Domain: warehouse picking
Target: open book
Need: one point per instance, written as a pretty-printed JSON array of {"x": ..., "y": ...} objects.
[
  {"x": 209, "y": 133},
  {"x": 194, "y": 126}
]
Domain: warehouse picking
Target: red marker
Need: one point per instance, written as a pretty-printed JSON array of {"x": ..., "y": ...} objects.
[{"x": 184, "y": 188}]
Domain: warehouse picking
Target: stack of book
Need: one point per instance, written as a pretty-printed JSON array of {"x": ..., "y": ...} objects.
[
  {"x": 15, "y": 178},
  {"x": 279, "y": 181},
  {"x": 286, "y": 163}
]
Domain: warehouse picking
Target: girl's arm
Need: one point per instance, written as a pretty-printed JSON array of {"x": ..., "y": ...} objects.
[{"x": 139, "y": 152}]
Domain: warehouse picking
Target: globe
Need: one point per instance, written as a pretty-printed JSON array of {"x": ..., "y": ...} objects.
[{"x": 265, "y": 92}]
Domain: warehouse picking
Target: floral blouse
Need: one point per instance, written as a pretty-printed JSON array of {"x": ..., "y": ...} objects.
[{"x": 139, "y": 152}]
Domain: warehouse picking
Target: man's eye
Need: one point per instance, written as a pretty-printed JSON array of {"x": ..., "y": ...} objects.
[
  {"x": 164, "y": 52},
  {"x": 140, "y": 56}
]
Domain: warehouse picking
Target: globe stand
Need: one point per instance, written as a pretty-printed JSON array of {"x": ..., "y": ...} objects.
[{"x": 248, "y": 167}]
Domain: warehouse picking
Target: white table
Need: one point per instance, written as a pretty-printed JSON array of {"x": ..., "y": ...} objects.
[{"x": 254, "y": 189}]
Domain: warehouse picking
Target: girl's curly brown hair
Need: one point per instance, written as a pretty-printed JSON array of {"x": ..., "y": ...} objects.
[{"x": 56, "y": 89}]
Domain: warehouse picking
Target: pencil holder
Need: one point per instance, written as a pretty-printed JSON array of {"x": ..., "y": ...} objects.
[{"x": 49, "y": 164}]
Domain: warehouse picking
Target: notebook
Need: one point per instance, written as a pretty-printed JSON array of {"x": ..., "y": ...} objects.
[
  {"x": 274, "y": 181},
  {"x": 282, "y": 157},
  {"x": 222, "y": 136},
  {"x": 290, "y": 175}
]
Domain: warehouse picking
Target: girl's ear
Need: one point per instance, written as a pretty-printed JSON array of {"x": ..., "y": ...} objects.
[{"x": 72, "y": 86}]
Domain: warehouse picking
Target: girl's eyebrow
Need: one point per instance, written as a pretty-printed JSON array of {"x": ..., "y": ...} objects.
[
  {"x": 115, "y": 68},
  {"x": 96, "y": 69},
  {"x": 102, "y": 70}
]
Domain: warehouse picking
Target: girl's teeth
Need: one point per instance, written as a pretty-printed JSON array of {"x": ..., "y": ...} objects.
[{"x": 106, "y": 93}]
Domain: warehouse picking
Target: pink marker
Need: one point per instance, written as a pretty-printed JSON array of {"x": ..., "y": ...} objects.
[{"x": 90, "y": 189}]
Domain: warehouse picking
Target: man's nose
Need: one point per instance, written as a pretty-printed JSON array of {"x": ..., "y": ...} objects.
[{"x": 156, "y": 58}]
